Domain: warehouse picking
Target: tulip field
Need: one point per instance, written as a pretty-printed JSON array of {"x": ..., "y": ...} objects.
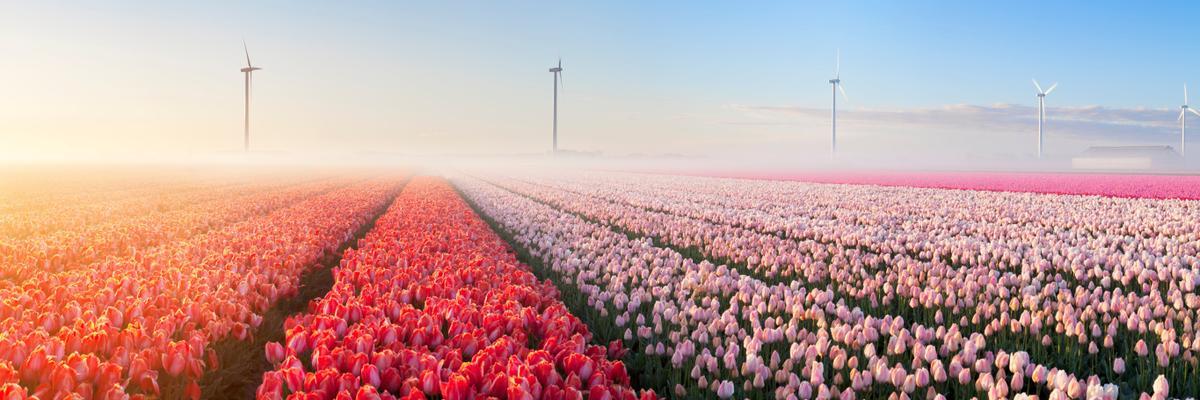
[
  {"x": 597, "y": 285},
  {"x": 1112, "y": 185},
  {"x": 727, "y": 288},
  {"x": 119, "y": 288},
  {"x": 432, "y": 304}
]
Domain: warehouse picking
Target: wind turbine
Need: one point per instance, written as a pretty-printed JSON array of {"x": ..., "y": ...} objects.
[
  {"x": 837, "y": 86},
  {"x": 557, "y": 82},
  {"x": 1183, "y": 110},
  {"x": 250, "y": 68},
  {"x": 1041, "y": 94}
]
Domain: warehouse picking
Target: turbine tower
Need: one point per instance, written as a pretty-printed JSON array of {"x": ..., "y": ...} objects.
[
  {"x": 837, "y": 86},
  {"x": 1183, "y": 110},
  {"x": 250, "y": 68},
  {"x": 557, "y": 82},
  {"x": 1041, "y": 94}
]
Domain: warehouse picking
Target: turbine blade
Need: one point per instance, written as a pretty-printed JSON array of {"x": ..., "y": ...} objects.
[
  {"x": 1039, "y": 87},
  {"x": 1193, "y": 110},
  {"x": 837, "y": 69},
  {"x": 561, "y": 84},
  {"x": 247, "y": 49},
  {"x": 1185, "y": 101},
  {"x": 843, "y": 90},
  {"x": 1051, "y": 89}
]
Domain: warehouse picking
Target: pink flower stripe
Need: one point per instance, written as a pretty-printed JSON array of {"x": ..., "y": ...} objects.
[
  {"x": 1110, "y": 185},
  {"x": 774, "y": 289}
]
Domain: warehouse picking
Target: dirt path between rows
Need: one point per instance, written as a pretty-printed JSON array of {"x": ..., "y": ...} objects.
[{"x": 243, "y": 362}]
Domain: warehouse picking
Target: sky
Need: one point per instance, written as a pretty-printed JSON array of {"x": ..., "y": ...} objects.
[{"x": 950, "y": 79}]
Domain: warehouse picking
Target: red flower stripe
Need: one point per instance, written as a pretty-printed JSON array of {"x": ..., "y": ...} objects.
[
  {"x": 433, "y": 304},
  {"x": 119, "y": 328}
]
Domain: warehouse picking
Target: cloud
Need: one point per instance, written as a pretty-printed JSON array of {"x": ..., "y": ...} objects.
[{"x": 1090, "y": 122}]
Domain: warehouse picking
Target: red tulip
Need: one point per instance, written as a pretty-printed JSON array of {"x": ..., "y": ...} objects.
[
  {"x": 384, "y": 359},
  {"x": 391, "y": 380},
  {"x": 456, "y": 388},
  {"x": 580, "y": 365},
  {"x": 297, "y": 341},
  {"x": 495, "y": 384},
  {"x": 271, "y": 387},
  {"x": 347, "y": 382},
  {"x": 323, "y": 361},
  {"x": 617, "y": 373},
  {"x": 616, "y": 350},
  {"x": 62, "y": 377},
  {"x": 326, "y": 380},
  {"x": 518, "y": 392},
  {"x": 294, "y": 378},
  {"x": 571, "y": 393},
  {"x": 31, "y": 369},
  {"x": 175, "y": 360},
  {"x": 241, "y": 331},
  {"x": 552, "y": 393},
  {"x": 12, "y": 391},
  {"x": 148, "y": 382},
  {"x": 214, "y": 362},
  {"x": 355, "y": 361},
  {"x": 429, "y": 383},
  {"x": 367, "y": 393},
  {"x": 109, "y": 374},
  {"x": 599, "y": 393},
  {"x": 414, "y": 395},
  {"x": 370, "y": 375},
  {"x": 112, "y": 392},
  {"x": 193, "y": 390}
]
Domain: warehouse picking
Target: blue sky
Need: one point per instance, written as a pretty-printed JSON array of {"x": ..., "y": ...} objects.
[{"x": 654, "y": 77}]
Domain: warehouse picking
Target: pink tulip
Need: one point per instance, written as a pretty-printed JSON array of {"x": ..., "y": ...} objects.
[
  {"x": 274, "y": 352},
  {"x": 725, "y": 390},
  {"x": 1161, "y": 387},
  {"x": 1140, "y": 348}
]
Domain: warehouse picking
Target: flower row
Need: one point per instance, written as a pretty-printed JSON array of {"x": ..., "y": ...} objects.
[
  {"x": 708, "y": 329},
  {"x": 1114, "y": 185},
  {"x": 1094, "y": 324},
  {"x": 431, "y": 303},
  {"x": 119, "y": 237},
  {"x": 142, "y": 325},
  {"x": 40, "y": 201}
]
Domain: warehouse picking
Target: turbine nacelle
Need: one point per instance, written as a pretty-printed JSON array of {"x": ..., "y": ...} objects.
[
  {"x": 250, "y": 69},
  {"x": 557, "y": 71},
  {"x": 1043, "y": 93},
  {"x": 1184, "y": 109}
]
